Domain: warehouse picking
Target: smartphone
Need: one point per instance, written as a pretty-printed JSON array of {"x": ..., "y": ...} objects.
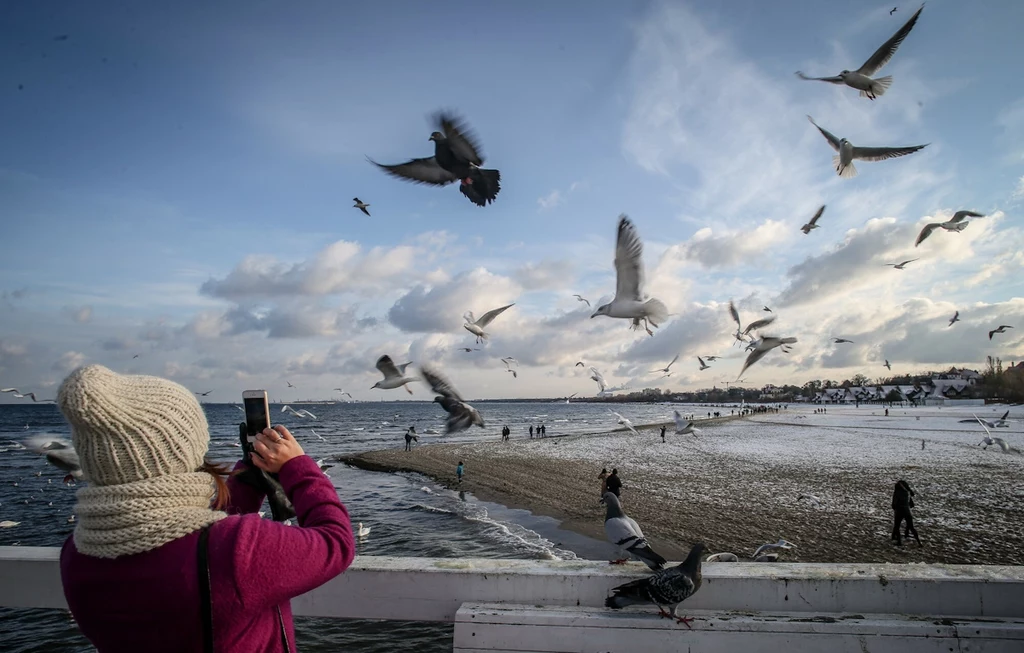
[{"x": 257, "y": 413}]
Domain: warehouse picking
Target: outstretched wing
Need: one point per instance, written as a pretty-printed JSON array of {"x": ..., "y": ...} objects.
[
  {"x": 754, "y": 356},
  {"x": 735, "y": 314},
  {"x": 927, "y": 231},
  {"x": 489, "y": 316},
  {"x": 461, "y": 139},
  {"x": 673, "y": 361},
  {"x": 387, "y": 367},
  {"x": 830, "y": 80},
  {"x": 439, "y": 383},
  {"x": 629, "y": 267},
  {"x": 421, "y": 171},
  {"x": 595, "y": 375},
  {"x": 759, "y": 324},
  {"x": 883, "y": 153},
  {"x": 960, "y": 215},
  {"x": 829, "y": 136},
  {"x": 680, "y": 422},
  {"x": 817, "y": 215},
  {"x": 883, "y": 54}
]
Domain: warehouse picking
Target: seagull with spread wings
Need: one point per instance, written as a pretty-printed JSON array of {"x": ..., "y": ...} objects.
[
  {"x": 703, "y": 365},
  {"x": 813, "y": 224},
  {"x": 667, "y": 369},
  {"x": 18, "y": 394},
  {"x": 861, "y": 79},
  {"x": 394, "y": 375},
  {"x": 342, "y": 391},
  {"x": 456, "y": 158},
  {"x": 362, "y": 206},
  {"x": 624, "y": 422},
  {"x": 630, "y": 302},
  {"x": 596, "y": 376},
  {"x": 476, "y": 327},
  {"x": 1001, "y": 329},
  {"x": 461, "y": 415},
  {"x": 955, "y": 318},
  {"x": 684, "y": 426},
  {"x": 956, "y": 223},
  {"x": 762, "y": 347},
  {"x": 582, "y": 299},
  {"x": 848, "y": 152},
  {"x": 900, "y": 266}
]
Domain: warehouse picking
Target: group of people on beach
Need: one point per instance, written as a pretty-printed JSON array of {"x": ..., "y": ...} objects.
[{"x": 542, "y": 431}]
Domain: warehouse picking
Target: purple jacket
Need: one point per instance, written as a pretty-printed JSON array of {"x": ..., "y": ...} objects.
[{"x": 150, "y": 601}]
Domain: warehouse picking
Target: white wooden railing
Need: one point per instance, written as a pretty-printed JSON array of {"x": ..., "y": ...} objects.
[{"x": 557, "y": 606}]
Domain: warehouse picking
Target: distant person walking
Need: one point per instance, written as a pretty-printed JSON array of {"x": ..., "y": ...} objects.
[
  {"x": 543, "y": 431},
  {"x": 663, "y": 433},
  {"x": 458, "y": 471},
  {"x": 902, "y": 502},
  {"x": 886, "y": 412},
  {"x": 603, "y": 477},
  {"x": 531, "y": 431},
  {"x": 612, "y": 483},
  {"x": 410, "y": 435}
]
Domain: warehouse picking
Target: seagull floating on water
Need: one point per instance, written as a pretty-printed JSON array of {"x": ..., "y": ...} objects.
[
  {"x": 362, "y": 206},
  {"x": 900, "y": 266},
  {"x": 1001, "y": 329},
  {"x": 476, "y": 327},
  {"x": 861, "y": 79},
  {"x": 630, "y": 302},
  {"x": 461, "y": 415},
  {"x": 813, "y": 224},
  {"x": 848, "y": 152},
  {"x": 394, "y": 375}
]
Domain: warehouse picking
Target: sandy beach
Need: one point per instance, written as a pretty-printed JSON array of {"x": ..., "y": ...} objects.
[{"x": 737, "y": 485}]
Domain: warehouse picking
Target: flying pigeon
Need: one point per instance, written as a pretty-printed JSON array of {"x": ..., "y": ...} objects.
[
  {"x": 861, "y": 79},
  {"x": 669, "y": 587},
  {"x": 956, "y": 223},
  {"x": 840, "y": 341},
  {"x": 900, "y": 266},
  {"x": 762, "y": 347},
  {"x": 813, "y": 224},
  {"x": 461, "y": 415},
  {"x": 781, "y": 545},
  {"x": 703, "y": 365},
  {"x": 59, "y": 453},
  {"x": 394, "y": 375},
  {"x": 684, "y": 427},
  {"x": 456, "y": 158},
  {"x": 848, "y": 152},
  {"x": 579, "y": 298},
  {"x": 956, "y": 318},
  {"x": 1002, "y": 329},
  {"x": 667, "y": 367},
  {"x": 630, "y": 302},
  {"x": 476, "y": 327},
  {"x": 624, "y": 422},
  {"x": 362, "y": 206},
  {"x": 18, "y": 394},
  {"x": 625, "y": 533}
]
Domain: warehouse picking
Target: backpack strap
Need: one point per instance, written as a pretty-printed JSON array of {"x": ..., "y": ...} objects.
[{"x": 205, "y": 595}]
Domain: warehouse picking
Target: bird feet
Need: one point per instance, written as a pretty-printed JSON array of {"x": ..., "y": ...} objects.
[
  {"x": 467, "y": 182},
  {"x": 621, "y": 561},
  {"x": 685, "y": 620}
]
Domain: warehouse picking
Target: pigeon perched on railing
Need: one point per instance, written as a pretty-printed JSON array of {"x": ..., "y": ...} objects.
[
  {"x": 625, "y": 533},
  {"x": 669, "y": 587}
]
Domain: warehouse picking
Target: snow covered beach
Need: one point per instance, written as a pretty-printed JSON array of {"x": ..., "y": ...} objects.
[{"x": 737, "y": 485}]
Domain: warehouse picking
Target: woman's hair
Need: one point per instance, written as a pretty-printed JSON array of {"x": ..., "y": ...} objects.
[{"x": 219, "y": 472}]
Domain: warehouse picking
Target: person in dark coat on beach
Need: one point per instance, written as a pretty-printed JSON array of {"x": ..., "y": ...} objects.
[
  {"x": 612, "y": 483},
  {"x": 663, "y": 433},
  {"x": 531, "y": 431},
  {"x": 902, "y": 502}
]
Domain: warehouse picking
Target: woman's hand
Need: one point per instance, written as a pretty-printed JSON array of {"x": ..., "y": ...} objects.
[{"x": 274, "y": 447}]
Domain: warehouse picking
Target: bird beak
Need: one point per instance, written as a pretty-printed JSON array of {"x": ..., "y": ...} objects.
[{"x": 593, "y": 316}]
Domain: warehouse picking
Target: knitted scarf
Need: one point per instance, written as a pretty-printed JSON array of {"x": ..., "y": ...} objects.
[{"x": 129, "y": 518}]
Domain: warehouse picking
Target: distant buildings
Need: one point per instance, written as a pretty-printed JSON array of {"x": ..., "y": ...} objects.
[{"x": 951, "y": 385}]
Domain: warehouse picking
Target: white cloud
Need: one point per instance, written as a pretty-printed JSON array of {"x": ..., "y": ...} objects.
[
  {"x": 732, "y": 247},
  {"x": 439, "y": 308},
  {"x": 79, "y": 314},
  {"x": 550, "y": 201},
  {"x": 69, "y": 361}
]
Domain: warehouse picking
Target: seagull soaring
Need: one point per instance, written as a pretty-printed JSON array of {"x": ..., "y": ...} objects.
[
  {"x": 840, "y": 341},
  {"x": 762, "y": 347},
  {"x": 362, "y": 206},
  {"x": 848, "y": 152},
  {"x": 956, "y": 223},
  {"x": 668, "y": 367},
  {"x": 900, "y": 266},
  {"x": 625, "y": 422},
  {"x": 18, "y": 394},
  {"x": 711, "y": 358},
  {"x": 1002, "y": 329},
  {"x": 508, "y": 360},
  {"x": 298, "y": 413},
  {"x": 630, "y": 301},
  {"x": 394, "y": 375},
  {"x": 595, "y": 375},
  {"x": 887, "y": 365},
  {"x": 813, "y": 224},
  {"x": 342, "y": 391},
  {"x": 861, "y": 79},
  {"x": 684, "y": 426},
  {"x": 476, "y": 327},
  {"x": 703, "y": 365},
  {"x": 579, "y": 298},
  {"x": 780, "y": 545}
]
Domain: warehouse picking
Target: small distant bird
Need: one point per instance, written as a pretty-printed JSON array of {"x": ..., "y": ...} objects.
[
  {"x": 667, "y": 368},
  {"x": 848, "y": 152},
  {"x": 362, "y": 531},
  {"x": 456, "y": 158},
  {"x": 669, "y": 587},
  {"x": 18, "y": 394},
  {"x": 579, "y": 298},
  {"x": 461, "y": 415},
  {"x": 900, "y": 266},
  {"x": 625, "y": 533},
  {"x": 394, "y": 375},
  {"x": 624, "y": 422},
  {"x": 362, "y": 206},
  {"x": 711, "y": 358},
  {"x": 476, "y": 327},
  {"x": 762, "y": 347},
  {"x": 322, "y": 438},
  {"x": 515, "y": 375},
  {"x": 956, "y": 318},
  {"x": 468, "y": 349},
  {"x": 1002, "y": 329},
  {"x": 135, "y": 356},
  {"x": 342, "y": 391},
  {"x": 630, "y": 302},
  {"x": 766, "y": 309},
  {"x": 781, "y": 545},
  {"x": 684, "y": 426},
  {"x": 840, "y": 341},
  {"x": 61, "y": 37},
  {"x": 203, "y": 394},
  {"x": 887, "y": 365},
  {"x": 596, "y": 376},
  {"x": 579, "y": 364},
  {"x": 289, "y": 384},
  {"x": 508, "y": 360},
  {"x": 813, "y": 224},
  {"x": 723, "y": 557},
  {"x": 956, "y": 223},
  {"x": 861, "y": 79},
  {"x": 298, "y": 413},
  {"x": 703, "y": 365},
  {"x": 893, "y": 10}
]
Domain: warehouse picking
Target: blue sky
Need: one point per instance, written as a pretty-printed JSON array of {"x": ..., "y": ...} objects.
[{"x": 176, "y": 183}]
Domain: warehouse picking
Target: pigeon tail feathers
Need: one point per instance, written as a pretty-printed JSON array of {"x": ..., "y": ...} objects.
[{"x": 483, "y": 187}]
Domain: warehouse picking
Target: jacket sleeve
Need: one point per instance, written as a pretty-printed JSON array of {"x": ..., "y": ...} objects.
[
  {"x": 273, "y": 562},
  {"x": 242, "y": 497}
]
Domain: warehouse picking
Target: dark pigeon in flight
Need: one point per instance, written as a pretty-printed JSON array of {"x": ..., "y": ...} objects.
[
  {"x": 456, "y": 158},
  {"x": 669, "y": 587},
  {"x": 461, "y": 415}
]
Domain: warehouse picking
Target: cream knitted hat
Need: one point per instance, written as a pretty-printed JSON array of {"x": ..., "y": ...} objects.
[{"x": 141, "y": 440}]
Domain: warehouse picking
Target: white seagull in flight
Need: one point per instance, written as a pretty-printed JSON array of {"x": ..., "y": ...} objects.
[
  {"x": 861, "y": 79},
  {"x": 813, "y": 224},
  {"x": 595, "y": 375},
  {"x": 848, "y": 152},
  {"x": 298, "y": 413},
  {"x": 630, "y": 301},
  {"x": 625, "y": 422},
  {"x": 762, "y": 347},
  {"x": 476, "y": 327},
  {"x": 956, "y": 223},
  {"x": 394, "y": 375},
  {"x": 684, "y": 427},
  {"x": 668, "y": 367},
  {"x": 580, "y": 298},
  {"x": 703, "y": 365}
]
